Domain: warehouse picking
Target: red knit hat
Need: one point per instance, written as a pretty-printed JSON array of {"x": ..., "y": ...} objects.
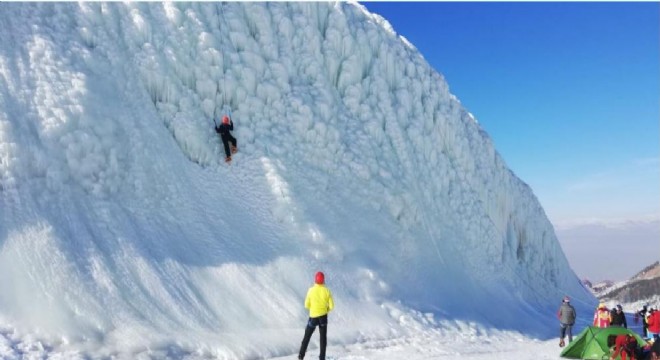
[
  {"x": 319, "y": 278},
  {"x": 225, "y": 119}
]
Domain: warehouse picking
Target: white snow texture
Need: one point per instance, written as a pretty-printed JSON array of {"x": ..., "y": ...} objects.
[{"x": 123, "y": 232}]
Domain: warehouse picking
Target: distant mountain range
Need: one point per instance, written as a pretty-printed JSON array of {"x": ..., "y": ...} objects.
[
  {"x": 580, "y": 238},
  {"x": 643, "y": 288}
]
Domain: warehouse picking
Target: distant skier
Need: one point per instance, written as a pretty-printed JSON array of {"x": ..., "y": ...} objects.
[
  {"x": 319, "y": 302},
  {"x": 224, "y": 130},
  {"x": 567, "y": 317},
  {"x": 602, "y": 316}
]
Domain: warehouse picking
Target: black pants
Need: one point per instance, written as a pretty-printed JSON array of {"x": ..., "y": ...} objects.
[
  {"x": 226, "y": 140},
  {"x": 312, "y": 323}
]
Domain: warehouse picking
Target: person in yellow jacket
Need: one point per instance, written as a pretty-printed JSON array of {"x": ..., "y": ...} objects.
[
  {"x": 602, "y": 317},
  {"x": 319, "y": 302}
]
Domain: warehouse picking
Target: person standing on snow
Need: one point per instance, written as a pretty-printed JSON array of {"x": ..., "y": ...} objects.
[
  {"x": 567, "y": 317},
  {"x": 642, "y": 314},
  {"x": 224, "y": 130},
  {"x": 319, "y": 302},
  {"x": 602, "y": 316},
  {"x": 618, "y": 317}
]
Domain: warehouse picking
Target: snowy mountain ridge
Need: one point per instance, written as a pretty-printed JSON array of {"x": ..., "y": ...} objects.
[
  {"x": 642, "y": 289},
  {"x": 123, "y": 232}
]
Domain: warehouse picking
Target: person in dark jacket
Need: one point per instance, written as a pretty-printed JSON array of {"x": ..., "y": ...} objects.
[
  {"x": 227, "y": 139},
  {"x": 619, "y": 317},
  {"x": 566, "y": 315},
  {"x": 642, "y": 314}
]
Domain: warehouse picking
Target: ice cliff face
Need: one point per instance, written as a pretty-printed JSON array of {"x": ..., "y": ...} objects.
[{"x": 121, "y": 226}]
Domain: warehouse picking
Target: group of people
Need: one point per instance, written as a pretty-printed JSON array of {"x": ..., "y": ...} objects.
[
  {"x": 319, "y": 299},
  {"x": 319, "y": 302},
  {"x": 623, "y": 345},
  {"x": 603, "y": 317},
  {"x": 650, "y": 321},
  {"x": 626, "y": 346}
]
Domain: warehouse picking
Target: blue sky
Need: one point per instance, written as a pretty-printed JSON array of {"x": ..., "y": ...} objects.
[{"x": 569, "y": 92}]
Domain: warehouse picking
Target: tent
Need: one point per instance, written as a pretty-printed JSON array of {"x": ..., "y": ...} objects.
[{"x": 591, "y": 343}]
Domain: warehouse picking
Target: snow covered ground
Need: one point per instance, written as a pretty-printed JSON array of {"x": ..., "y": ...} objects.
[
  {"x": 418, "y": 345},
  {"x": 123, "y": 234}
]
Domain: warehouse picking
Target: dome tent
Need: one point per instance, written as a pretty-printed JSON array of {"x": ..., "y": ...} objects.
[{"x": 591, "y": 343}]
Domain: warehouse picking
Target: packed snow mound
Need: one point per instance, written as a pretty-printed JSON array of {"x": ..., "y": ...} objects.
[{"x": 122, "y": 229}]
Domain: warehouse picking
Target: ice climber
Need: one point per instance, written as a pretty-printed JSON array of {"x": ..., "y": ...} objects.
[
  {"x": 227, "y": 139},
  {"x": 566, "y": 316},
  {"x": 319, "y": 302}
]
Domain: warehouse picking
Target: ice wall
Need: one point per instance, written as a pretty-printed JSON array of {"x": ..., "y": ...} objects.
[{"x": 121, "y": 227}]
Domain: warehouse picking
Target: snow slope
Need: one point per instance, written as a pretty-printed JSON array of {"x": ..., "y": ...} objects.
[{"x": 123, "y": 232}]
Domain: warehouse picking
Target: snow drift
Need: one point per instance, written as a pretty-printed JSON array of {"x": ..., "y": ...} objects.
[{"x": 122, "y": 230}]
